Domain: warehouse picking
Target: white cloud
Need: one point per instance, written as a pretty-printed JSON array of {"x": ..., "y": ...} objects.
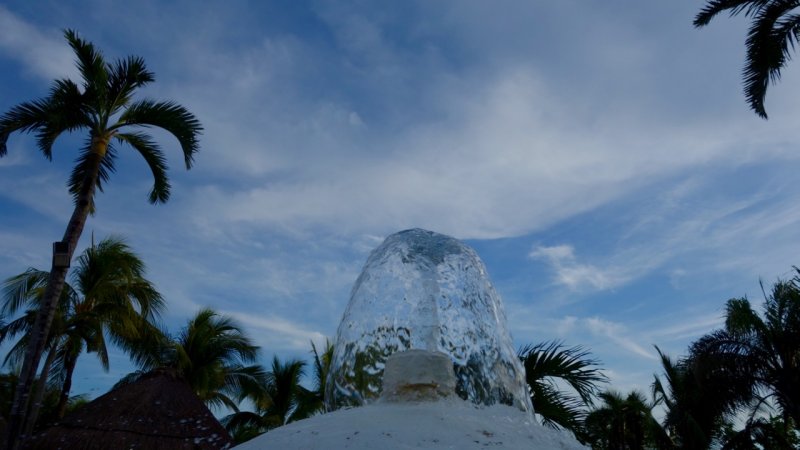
[
  {"x": 690, "y": 327},
  {"x": 616, "y": 333},
  {"x": 574, "y": 275},
  {"x": 555, "y": 254},
  {"x": 44, "y": 53},
  {"x": 276, "y": 333}
]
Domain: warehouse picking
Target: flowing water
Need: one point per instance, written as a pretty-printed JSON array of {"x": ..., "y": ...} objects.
[{"x": 424, "y": 290}]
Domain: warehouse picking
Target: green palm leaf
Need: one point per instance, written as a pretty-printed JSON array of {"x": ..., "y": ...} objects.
[
  {"x": 92, "y": 68},
  {"x": 549, "y": 363},
  {"x": 155, "y": 159},
  {"x": 125, "y": 76},
  {"x": 773, "y": 34},
  {"x": 167, "y": 115}
]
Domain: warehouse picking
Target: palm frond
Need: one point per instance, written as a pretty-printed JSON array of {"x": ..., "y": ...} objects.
[
  {"x": 25, "y": 117},
  {"x": 573, "y": 365},
  {"x": 92, "y": 68},
  {"x": 556, "y": 409},
  {"x": 768, "y": 46},
  {"x": 322, "y": 365},
  {"x": 66, "y": 112},
  {"x": 241, "y": 419},
  {"x": 714, "y": 7},
  {"x": 170, "y": 116},
  {"x": 219, "y": 400},
  {"x": 125, "y": 76},
  {"x": 23, "y": 289},
  {"x": 740, "y": 319},
  {"x": 155, "y": 159},
  {"x": 243, "y": 382}
]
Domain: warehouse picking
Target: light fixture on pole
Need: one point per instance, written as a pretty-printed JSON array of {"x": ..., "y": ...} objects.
[{"x": 60, "y": 255}]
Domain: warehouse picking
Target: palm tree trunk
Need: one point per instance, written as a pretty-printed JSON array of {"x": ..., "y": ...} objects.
[
  {"x": 64, "y": 398},
  {"x": 55, "y": 284},
  {"x": 38, "y": 392}
]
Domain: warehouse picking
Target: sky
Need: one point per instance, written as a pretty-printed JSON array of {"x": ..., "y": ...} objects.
[{"x": 599, "y": 157}]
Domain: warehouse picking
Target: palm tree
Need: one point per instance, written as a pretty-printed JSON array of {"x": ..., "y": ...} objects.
[
  {"x": 104, "y": 106},
  {"x": 284, "y": 400},
  {"x": 109, "y": 296},
  {"x": 700, "y": 400},
  {"x": 773, "y": 33},
  {"x": 622, "y": 423},
  {"x": 211, "y": 354},
  {"x": 322, "y": 367},
  {"x": 547, "y": 362},
  {"x": 761, "y": 354},
  {"x": 768, "y": 433}
]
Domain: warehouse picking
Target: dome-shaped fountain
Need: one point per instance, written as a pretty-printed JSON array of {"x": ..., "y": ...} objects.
[
  {"x": 423, "y": 327},
  {"x": 427, "y": 291}
]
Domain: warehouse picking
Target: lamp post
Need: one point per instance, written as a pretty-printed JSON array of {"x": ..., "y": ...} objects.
[{"x": 60, "y": 255}]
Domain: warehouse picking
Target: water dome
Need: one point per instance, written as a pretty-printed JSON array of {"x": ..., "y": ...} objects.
[{"x": 425, "y": 291}]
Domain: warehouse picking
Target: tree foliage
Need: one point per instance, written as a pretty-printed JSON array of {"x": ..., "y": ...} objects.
[
  {"x": 774, "y": 32},
  {"x": 549, "y": 363}
]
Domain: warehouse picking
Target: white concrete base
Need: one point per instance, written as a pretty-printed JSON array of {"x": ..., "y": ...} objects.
[
  {"x": 418, "y": 409},
  {"x": 447, "y": 424}
]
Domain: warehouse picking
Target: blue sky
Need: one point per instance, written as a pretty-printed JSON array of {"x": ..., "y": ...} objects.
[{"x": 601, "y": 161}]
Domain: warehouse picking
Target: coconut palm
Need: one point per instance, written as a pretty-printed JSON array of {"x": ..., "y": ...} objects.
[
  {"x": 322, "y": 366},
  {"x": 103, "y": 105},
  {"x": 773, "y": 33},
  {"x": 622, "y": 423},
  {"x": 548, "y": 363},
  {"x": 700, "y": 400},
  {"x": 688, "y": 424},
  {"x": 211, "y": 354},
  {"x": 761, "y": 354},
  {"x": 109, "y": 297},
  {"x": 762, "y": 432},
  {"x": 284, "y": 400}
]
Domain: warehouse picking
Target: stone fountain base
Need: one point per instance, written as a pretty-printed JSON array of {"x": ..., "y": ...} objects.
[
  {"x": 418, "y": 410},
  {"x": 445, "y": 424}
]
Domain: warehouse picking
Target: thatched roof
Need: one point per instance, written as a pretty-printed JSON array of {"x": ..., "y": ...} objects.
[{"x": 158, "y": 411}]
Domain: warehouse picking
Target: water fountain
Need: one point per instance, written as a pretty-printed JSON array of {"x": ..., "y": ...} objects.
[{"x": 422, "y": 359}]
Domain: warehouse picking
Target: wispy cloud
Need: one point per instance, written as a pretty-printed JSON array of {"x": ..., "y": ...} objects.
[
  {"x": 278, "y": 334},
  {"x": 617, "y": 333},
  {"x": 43, "y": 53},
  {"x": 573, "y": 274},
  {"x": 610, "y": 337}
]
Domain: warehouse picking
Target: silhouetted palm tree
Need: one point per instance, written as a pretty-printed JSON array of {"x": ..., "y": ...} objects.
[
  {"x": 622, "y": 423},
  {"x": 760, "y": 354},
  {"x": 773, "y": 33},
  {"x": 284, "y": 400},
  {"x": 549, "y": 362},
  {"x": 322, "y": 366},
  {"x": 767, "y": 433},
  {"x": 212, "y": 354},
  {"x": 699, "y": 399},
  {"x": 103, "y": 105},
  {"x": 109, "y": 296}
]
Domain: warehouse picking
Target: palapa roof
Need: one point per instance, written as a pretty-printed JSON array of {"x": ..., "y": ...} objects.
[{"x": 158, "y": 411}]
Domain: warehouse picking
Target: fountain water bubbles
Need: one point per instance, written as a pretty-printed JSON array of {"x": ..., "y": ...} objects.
[{"x": 427, "y": 291}]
